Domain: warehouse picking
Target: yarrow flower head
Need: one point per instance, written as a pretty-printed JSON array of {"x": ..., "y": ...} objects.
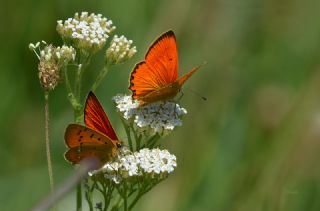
[
  {"x": 84, "y": 31},
  {"x": 149, "y": 163},
  {"x": 158, "y": 117},
  {"x": 51, "y": 59},
  {"x": 65, "y": 53},
  {"x": 120, "y": 50}
]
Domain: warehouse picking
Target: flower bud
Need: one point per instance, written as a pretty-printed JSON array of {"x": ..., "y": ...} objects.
[
  {"x": 49, "y": 74},
  {"x": 120, "y": 50}
]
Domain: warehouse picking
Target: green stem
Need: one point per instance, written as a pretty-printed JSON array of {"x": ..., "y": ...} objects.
[
  {"x": 145, "y": 189},
  {"x": 107, "y": 197},
  {"x": 74, "y": 97},
  {"x": 136, "y": 199},
  {"x": 78, "y": 119},
  {"x": 46, "y": 108},
  {"x": 78, "y": 81},
  {"x": 66, "y": 78},
  {"x": 100, "y": 77},
  {"x": 127, "y": 129},
  {"x": 125, "y": 198},
  {"x": 138, "y": 141},
  {"x": 79, "y": 196},
  {"x": 78, "y": 115},
  {"x": 152, "y": 141},
  {"x": 88, "y": 193},
  {"x": 117, "y": 204},
  {"x": 84, "y": 59},
  {"x": 136, "y": 137},
  {"x": 71, "y": 97}
]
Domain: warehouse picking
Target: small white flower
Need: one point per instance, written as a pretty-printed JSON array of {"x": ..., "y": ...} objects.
[
  {"x": 146, "y": 162},
  {"x": 51, "y": 60},
  {"x": 85, "y": 31},
  {"x": 156, "y": 161},
  {"x": 120, "y": 50},
  {"x": 65, "y": 53},
  {"x": 158, "y": 117},
  {"x": 34, "y": 46},
  {"x": 60, "y": 55}
]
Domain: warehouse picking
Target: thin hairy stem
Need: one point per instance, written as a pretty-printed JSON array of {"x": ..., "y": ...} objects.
[
  {"x": 101, "y": 76},
  {"x": 84, "y": 59},
  {"x": 46, "y": 109},
  {"x": 78, "y": 81},
  {"x": 71, "y": 96}
]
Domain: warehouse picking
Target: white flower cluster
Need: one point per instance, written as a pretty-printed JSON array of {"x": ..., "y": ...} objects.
[
  {"x": 47, "y": 52},
  {"x": 158, "y": 117},
  {"x": 85, "y": 31},
  {"x": 146, "y": 162},
  {"x": 65, "y": 53},
  {"x": 120, "y": 50}
]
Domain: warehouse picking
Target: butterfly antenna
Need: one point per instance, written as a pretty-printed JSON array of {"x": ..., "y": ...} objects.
[
  {"x": 203, "y": 63},
  {"x": 197, "y": 94}
]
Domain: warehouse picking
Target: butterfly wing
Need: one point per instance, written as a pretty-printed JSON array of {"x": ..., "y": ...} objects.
[
  {"x": 85, "y": 142},
  {"x": 102, "y": 153},
  {"x": 96, "y": 118},
  {"x": 77, "y": 135},
  {"x": 159, "y": 69},
  {"x": 186, "y": 76}
]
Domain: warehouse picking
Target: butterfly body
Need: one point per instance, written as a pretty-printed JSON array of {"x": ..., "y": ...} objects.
[
  {"x": 96, "y": 139},
  {"x": 164, "y": 93},
  {"x": 156, "y": 78}
]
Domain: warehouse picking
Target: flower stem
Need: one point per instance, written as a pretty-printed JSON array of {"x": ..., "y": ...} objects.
[
  {"x": 127, "y": 129},
  {"x": 137, "y": 138},
  {"x": 78, "y": 81},
  {"x": 88, "y": 193},
  {"x": 107, "y": 197},
  {"x": 144, "y": 189},
  {"x": 77, "y": 119},
  {"x": 100, "y": 77},
  {"x": 46, "y": 108},
  {"x": 74, "y": 98},
  {"x": 152, "y": 141},
  {"x": 79, "y": 196},
  {"x": 125, "y": 197}
]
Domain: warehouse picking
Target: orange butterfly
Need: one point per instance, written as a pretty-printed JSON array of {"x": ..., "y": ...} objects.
[
  {"x": 156, "y": 78},
  {"x": 96, "y": 139}
]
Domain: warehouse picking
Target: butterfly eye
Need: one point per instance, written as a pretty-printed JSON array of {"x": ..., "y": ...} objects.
[{"x": 119, "y": 145}]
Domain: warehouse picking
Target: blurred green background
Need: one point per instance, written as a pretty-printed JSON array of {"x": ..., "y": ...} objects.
[{"x": 253, "y": 145}]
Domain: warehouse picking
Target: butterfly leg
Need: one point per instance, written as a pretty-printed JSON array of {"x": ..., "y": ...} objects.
[
  {"x": 175, "y": 107},
  {"x": 177, "y": 101},
  {"x": 181, "y": 95}
]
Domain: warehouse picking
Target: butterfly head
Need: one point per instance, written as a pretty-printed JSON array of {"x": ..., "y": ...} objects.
[{"x": 119, "y": 145}]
